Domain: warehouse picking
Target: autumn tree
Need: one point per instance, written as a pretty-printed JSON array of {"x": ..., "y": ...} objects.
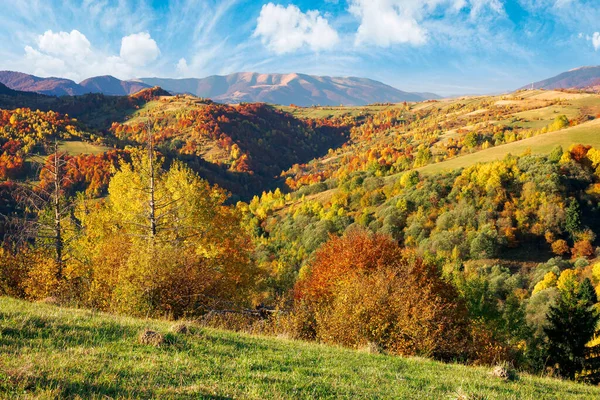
[
  {"x": 362, "y": 288},
  {"x": 46, "y": 223},
  {"x": 189, "y": 257}
]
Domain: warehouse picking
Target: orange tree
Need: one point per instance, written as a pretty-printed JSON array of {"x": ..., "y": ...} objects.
[{"x": 363, "y": 289}]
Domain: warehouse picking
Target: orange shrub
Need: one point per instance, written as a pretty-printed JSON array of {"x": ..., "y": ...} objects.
[
  {"x": 560, "y": 247},
  {"x": 582, "y": 248},
  {"x": 363, "y": 289}
]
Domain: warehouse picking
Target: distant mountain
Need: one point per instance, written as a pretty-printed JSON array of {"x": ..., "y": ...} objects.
[
  {"x": 49, "y": 86},
  {"x": 108, "y": 85},
  {"x": 579, "y": 78},
  {"x": 112, "y": 86},
  {"x": 299, "y": 89}
]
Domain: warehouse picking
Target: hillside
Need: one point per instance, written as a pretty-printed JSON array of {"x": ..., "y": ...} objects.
[
  {"x": 51, "y": 352},
  {"x": 111, "y": 86},
  {"x": 479, "y": 242},
  {"x": 299, "y": 89},
  {"x": 48, "y": 86},
  {"x": 578, "y": 78},
  {"x": 107, "y": 85},
  {"x": 586, "y": 134},
  {"x": 395, "y": 138}
]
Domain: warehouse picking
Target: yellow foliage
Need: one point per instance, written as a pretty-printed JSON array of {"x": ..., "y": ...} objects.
[
  {"x": 198, "y": 256},
  {"x": 567, "y": 281},
  {"x": 596, "y": 272},
  {"x": 550, "y": 280}
]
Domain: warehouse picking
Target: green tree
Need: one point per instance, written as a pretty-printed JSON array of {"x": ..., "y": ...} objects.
[
  {"x": 572, "y": 324},
  {"x": 471, "y": 140},
  {"x": 556, "y": 154},
  {"x": 573, "y": 218}
]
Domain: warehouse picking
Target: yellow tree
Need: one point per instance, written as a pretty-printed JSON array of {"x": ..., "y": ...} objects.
[{"x": 189, "y": 255}]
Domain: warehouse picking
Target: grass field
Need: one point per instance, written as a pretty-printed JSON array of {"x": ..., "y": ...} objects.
[
  {"x": 47, "y": 352},
  {"x": 588, "y": 133},
  {"x": 76, "y": 147},
  {"x": 326, "y": 112}
]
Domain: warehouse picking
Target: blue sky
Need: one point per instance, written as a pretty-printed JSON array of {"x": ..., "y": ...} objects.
[{"x": 443, "y": 46}]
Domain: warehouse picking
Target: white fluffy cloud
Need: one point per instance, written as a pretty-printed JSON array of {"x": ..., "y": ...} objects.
[
  {"x": 596, "y": 40},
  {"x": 71, "y": 55},
  {"x": 387, "y": 22},
  {"x": 286, "y": 29},
  {"x": 182, "y": 67},
  {"x": 139, "y": 49},
  {"x": 73, "y": 44}
]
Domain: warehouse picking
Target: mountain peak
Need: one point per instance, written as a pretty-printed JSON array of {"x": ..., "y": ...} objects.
[{"x": 586, "y": 77}]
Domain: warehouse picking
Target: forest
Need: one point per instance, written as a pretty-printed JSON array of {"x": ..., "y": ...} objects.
[{"x": 318, "y": 224}]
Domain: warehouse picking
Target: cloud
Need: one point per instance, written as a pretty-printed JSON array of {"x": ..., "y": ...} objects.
[
  {"x": 387, "y": 22},
  {"x": 182, "y": 67},
  {"x": 284, "y": 30},
  {"x": 73, "y": 44},
  {"x": 71, "y": 55},
  {"x": 139, "y": 49},
  {"x": 596, "y": 40}
]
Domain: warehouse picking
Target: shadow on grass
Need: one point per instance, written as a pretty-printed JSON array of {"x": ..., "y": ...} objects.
[
  {"x": 38, "y": 327},
  {"x": 65, "y": 389}
]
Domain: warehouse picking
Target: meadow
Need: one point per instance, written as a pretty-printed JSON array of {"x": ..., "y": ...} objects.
[{"x": 48, "y": 352}]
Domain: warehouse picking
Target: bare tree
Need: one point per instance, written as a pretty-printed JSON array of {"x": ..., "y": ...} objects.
[
  {"x": 159, "y": 208},
  {"x": 45, "y": 210}
]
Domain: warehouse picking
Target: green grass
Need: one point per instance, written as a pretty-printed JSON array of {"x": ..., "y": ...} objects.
[
  {"x": 52, "y": 352},
  {"x": 588, "y": 134},
  {"x": 78, "y": 147},
  {"x": 339, "y": 111}
]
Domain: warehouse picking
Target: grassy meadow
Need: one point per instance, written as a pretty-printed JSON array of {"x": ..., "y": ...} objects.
[
  {"x": 48, "y": 352},
  {"x": 587, "y": 134}
]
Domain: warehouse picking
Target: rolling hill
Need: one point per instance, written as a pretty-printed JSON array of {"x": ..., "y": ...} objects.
[
  {"x": 299, "y": 89},
  {"x": 52, "y": 352},
  {"x": 578, "y": 78},
  {"x": 111, "y": 86}
]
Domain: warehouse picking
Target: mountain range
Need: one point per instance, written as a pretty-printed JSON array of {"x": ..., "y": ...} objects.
[
  {"x": 299, "y": 89},
  {"x": 578, "y": 78}
]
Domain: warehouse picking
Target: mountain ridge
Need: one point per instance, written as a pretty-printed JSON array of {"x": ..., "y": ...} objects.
[
  {"x": 294, "y": 88},
  {"x": 586, "y": 77},
  {"x": 241, "y": 87}
]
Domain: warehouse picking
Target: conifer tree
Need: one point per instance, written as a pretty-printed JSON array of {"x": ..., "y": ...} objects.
[{"x": 572, "y": 324}]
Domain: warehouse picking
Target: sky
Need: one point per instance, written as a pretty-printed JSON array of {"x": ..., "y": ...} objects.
[{"x": 447, "y": 47}]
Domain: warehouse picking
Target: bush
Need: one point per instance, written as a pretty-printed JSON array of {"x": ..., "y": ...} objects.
[
  {"x": 363, "y": 289},
  {"x": 582, "y": 248}
]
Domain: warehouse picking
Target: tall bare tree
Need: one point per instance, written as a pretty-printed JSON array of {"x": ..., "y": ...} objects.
[{"x": 45, "y": 209}]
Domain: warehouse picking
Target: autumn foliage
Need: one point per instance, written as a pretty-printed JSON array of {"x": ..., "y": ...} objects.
[{"x": 363, "y": 288}]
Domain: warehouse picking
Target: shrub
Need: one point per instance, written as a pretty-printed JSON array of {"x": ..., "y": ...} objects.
[
  {"x": 582, "y": 248},
  {"x": 363, "y": 289},
  {"x": 560, "y": 247}
]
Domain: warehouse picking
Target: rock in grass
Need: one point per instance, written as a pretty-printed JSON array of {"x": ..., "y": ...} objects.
[
  {"x": 180, "y": 328},
  {"x": 151, "y": 338},
  {"x": 505, "y": 372}
]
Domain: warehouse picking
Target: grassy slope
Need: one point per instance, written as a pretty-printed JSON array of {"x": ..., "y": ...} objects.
[
  {"x": 79, "y": 147},
  {"x": 51, "y": 352},
  {"x": 588, "y": 133}
]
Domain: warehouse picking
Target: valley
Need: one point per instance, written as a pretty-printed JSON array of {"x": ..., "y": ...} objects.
[{"x": 315, "y": 223}]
